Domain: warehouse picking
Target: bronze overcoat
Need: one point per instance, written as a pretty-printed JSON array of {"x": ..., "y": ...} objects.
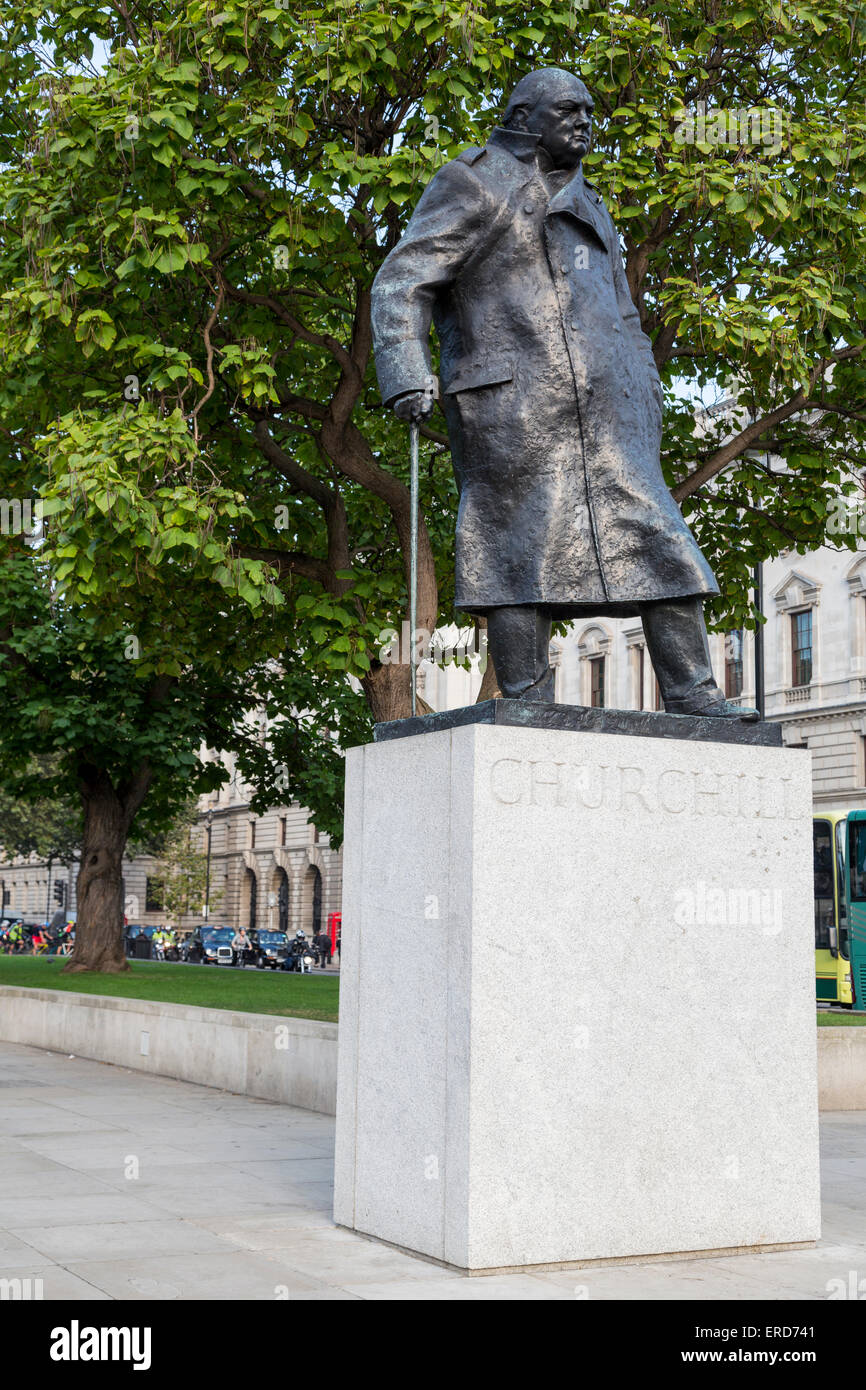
[{"x": 548, "y": 385}]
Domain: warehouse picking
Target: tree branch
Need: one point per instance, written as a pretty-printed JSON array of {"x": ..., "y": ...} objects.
[
  {"x": 300, "y": 479},
  {"x": 329, "y": 499},
  {"x": 209, "y": 348},
  {"x": 290, "y": 562},
  {"x": 748, "y": 437},
  {"x": 835, "y": 410},
  {"x": 320, "y": 340}
]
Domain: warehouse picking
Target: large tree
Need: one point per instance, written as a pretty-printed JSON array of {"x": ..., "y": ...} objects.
[{"x": 118, "y": 742}]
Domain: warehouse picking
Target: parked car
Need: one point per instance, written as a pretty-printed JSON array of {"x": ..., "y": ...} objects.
[
  {"x": 138, "y": 941},
  {"x": 270, "y": 949},
  {"x": 210, "y": 946}
]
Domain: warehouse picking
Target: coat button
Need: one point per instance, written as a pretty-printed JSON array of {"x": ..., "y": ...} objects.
[
  {"x": 564, "y": 269},
  {"x": 529, "y": 207},
  {"x": 575, "y": 325}
]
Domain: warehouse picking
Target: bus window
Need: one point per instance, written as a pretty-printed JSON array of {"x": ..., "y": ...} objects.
[
  {"x": 840, "y": 888},
  {"x": 857, "y": 859},
  {"x": 825, "y": 913}
]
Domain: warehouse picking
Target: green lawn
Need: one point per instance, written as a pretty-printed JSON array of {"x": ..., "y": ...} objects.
[
  {"x": 211, "y": 986},
  {"x": 215, "y": 987}
]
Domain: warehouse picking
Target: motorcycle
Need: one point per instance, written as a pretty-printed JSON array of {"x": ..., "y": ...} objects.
[{"x": 302, "y": 957}]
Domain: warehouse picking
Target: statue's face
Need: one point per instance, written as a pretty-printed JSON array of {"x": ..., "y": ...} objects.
[{"x": 563, "y": 119}]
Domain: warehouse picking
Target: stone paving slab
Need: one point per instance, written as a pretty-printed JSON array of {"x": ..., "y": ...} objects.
[
  {"x": 57, "y": 1283},
  {"x": 232, "y": 1200},
  {"x": 228, "y": 1274}
]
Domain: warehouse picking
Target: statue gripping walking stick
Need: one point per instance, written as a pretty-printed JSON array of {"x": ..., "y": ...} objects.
[{"x": 552, "y": 399}]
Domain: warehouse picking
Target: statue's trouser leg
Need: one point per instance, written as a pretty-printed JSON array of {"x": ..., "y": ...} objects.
[
  {"x": 519, "y": 642},
  {"x": 676, "y": 636}
]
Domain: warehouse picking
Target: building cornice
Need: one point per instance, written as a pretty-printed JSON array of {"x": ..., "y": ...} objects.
[
  {"x": 819, "y": 715},
  {"x": 797, "y": 590}
]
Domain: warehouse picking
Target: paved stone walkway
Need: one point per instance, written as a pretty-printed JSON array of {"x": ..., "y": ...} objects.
[{"x": 117, "y": 1185}]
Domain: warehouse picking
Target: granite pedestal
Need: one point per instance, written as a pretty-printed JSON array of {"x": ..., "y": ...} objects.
[{"x": 577, "y": 1012}]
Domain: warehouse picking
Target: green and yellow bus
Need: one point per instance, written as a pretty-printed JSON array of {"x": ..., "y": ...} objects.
[
  {"x": 855, "y": 896},
  {"x": 839, "y": 862}
]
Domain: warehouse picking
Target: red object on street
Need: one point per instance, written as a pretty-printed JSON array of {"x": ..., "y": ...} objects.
[{"x": 335, "y": 921}]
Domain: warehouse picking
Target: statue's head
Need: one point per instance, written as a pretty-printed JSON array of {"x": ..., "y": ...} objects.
[{"x": 554, "y": 105}]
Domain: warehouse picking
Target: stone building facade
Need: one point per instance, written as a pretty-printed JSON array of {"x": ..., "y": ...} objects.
[{"x": 273, "y": 871}]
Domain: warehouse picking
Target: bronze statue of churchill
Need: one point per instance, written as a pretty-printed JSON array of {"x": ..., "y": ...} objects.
[{"x": 552, "y": 400}]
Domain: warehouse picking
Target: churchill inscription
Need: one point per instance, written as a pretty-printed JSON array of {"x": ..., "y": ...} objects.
[{"x": 620, "y": 787}]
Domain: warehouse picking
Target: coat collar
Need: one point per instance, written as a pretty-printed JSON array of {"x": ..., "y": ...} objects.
[
  {"x": 581, "y": 202},
  {"x": 576, "y": 198},
  {"x": 521, "y": 143}
]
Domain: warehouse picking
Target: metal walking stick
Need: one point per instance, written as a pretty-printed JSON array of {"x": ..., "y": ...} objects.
[{"x": 414, "y": 434}]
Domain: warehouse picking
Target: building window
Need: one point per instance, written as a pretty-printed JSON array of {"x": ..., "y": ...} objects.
[
  {"x": 152, "y": 895},
  {"x": 282, "y": 830},
  {"x": 283, "y": 902},
  {"x": 801, "y": 648},
  {"x": 317, "y": 901},
  {"x": 822, "y": 860},
  {"x": 734, "y": 664},
  {"x": 596, "y": 682},
  {"x": 253, "y": 889}
]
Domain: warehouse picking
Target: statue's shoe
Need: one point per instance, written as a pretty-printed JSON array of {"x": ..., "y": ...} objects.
[{"x": 712, "y": 709}]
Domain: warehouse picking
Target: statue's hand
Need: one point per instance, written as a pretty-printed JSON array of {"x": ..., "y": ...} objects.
[{"x": 414, "y": 406}]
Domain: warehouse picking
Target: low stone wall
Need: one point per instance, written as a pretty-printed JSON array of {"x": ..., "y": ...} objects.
[
  {"x": 292, "y": 1060},
  {"x": 842, "y": 1068}
]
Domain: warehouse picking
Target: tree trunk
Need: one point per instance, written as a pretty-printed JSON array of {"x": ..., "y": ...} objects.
[
  {"x": 99, "y": 925},
  {"x": 489, "y": 682},
  {"x": 388, "y": 689}
]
